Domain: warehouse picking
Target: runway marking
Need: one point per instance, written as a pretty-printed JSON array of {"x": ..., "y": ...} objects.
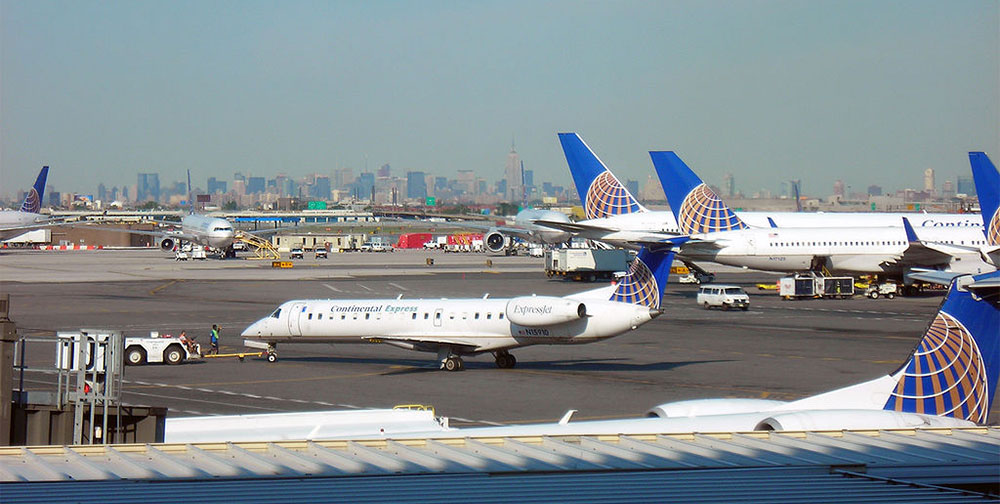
[
  {"x": 164, "y": 286},
  {"x": 365, "y": 288},
  {"x": 207, "y": 401},
  {"x": 251, "y": 395},
  {"x": 400, "y": 287},
  {"x": 334, "y": 289},
  {"x": 568, "y": 373},
  {"x": 272, "y": 398},
  {"x": 288, "y": 380}
]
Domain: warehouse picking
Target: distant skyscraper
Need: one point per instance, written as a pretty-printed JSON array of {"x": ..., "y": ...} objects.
[
  {"x": 384, "y": 171},
  {"x": 632, "y": 186},
  {"x": 320, "y": 189},
  {"x": 365, "y": 185},
  {"x": 148, "y": 187},
  {"x": 512, "y": 177},
  {"x": 416, "y": 186},
  {"x": 929, "y": 180},
  {"x": 874, "y": 190},
  {"x": 948, "y": 189},
  {"x": 728, "y": 185},
  {"x": 102, "y": 192},
  {"x": 216, "y": 186},
  {"x": 256, "y": 185},
  {"x": 966, "y": 186},
  {"x": 838, "y": 188}
]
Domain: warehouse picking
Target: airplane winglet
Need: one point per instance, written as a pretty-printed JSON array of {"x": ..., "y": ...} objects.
[
  {"x": 771, "y": 222},
  {"x": 911, "y": 235}
]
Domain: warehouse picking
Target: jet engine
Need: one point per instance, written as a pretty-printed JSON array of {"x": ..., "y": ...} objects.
[
  {"x": 496, "y": 241},
  {"x": 167, "y": 244},
  {"x": 537, "y": 311}
]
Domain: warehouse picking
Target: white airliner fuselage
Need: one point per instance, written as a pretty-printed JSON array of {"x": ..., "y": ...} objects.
[
  {"x": 14, "y": 222},
  {"x": 463, "y": 326},
  {"x": 846, "y": 250},
  {"x": 214, "y": 232}
]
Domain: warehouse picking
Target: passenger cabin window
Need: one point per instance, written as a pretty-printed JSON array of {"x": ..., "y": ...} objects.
[
  {"x": 368, "y": 316},
  {"x": 489, "y": 316},
  {"x": 426, "y": 315},
  {"x": 414, "y": 317},
  {"x": 437, "y": 316},
  {"x": 310, "y": 316},
  {"x": 500, "y": 316},
  {"x": 477, "y": 316},
  {"x": 343, "y": 317},
  {"x": 320, "y": 316}
]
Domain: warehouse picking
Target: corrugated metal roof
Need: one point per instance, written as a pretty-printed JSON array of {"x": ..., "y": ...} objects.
[
  {"x": 925, "y": 456},
  {"x": 771, "y": 485}
]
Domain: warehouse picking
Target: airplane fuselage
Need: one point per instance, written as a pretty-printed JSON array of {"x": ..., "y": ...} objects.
[
  {"x": 845, "y": 250},
  {"x": 525, "y": 219},
  {"x": 211, "y": 231},
  {"x": 469, "y": 325},
  {"x": 17, "y": 219}
]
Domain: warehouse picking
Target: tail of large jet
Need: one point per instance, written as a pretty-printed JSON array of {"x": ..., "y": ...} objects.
[
  {"x": 33, "y": 201},
  {"x": 602, "y": 194},
  {"x": 697, "y": 208},
  {"x": 988, "y": 188},
  {"x": 646, "y": 279},
  {"x": 953, "y": 371}
]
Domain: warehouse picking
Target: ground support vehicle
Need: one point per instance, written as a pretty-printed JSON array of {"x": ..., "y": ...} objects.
[
  {"x": 297, "y": 253},
  {"x": 320, "y": 252},
  {"x": 723, "y": 296},
  {"x": 156, "y": 349},
  {"x": 586, "y": 264},
  {"x": 813, "y": 285},
  {"x": 876, "y": 290}
]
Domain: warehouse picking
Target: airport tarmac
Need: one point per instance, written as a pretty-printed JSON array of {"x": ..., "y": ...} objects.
[{"x": 778, "y": 349}]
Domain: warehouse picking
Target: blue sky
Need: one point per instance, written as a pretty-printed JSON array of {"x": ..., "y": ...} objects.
[{"x": 864, "y": 91}]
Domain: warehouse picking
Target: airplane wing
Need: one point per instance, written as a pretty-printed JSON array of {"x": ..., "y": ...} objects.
[
  {"x": 923, "y": 253},
  {"x": 159, "y": 234},
  {"x": 932, "y": 276},
  {"x": 573, "y": 227},
  {"x": 425, "y": 343}
]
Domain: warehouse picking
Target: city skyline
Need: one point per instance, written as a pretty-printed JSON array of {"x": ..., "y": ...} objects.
[{"x": 868, "y": 93}]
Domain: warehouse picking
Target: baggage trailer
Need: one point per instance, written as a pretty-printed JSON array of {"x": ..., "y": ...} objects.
[{"x": 586, "y": 264}]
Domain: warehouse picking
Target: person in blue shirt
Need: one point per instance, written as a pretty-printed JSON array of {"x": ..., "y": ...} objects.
[{"x": 215, "y": 338}]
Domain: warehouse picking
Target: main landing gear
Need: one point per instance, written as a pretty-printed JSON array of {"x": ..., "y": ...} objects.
[
  {"x": 450, "y": 361},
  {"x": 504, "y": 359}
]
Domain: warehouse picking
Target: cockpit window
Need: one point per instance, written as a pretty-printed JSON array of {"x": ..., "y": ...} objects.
[
  {"x": 226, "y": 228},
  {"x": 276, "y": 314}
]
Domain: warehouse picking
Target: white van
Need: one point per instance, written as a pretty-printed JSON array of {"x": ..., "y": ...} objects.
[{"x": 725, "y": 296}]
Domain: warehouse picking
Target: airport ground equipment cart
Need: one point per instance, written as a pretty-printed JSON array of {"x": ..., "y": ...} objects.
[
  {"x": 586, "y": 264},
  {"x": 158, "y": 348},
  {"x": 887, "y": 289},
  {"x": 814, "y": 285},
  {"x": 239, "y": 355}
]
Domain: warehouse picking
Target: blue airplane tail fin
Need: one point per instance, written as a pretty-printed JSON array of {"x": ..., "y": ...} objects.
[
  {"x": 646, "y": 279},
  {"x": 696, "y": 207},
  {"x": 988, "y": 188},
  {"x": 953, "y": 370},
  {"x": 33, "y": 200},
  {"x": 601, "y": 193}
]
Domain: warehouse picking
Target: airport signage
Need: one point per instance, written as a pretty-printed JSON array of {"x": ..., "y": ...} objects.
[
  {"x": 316, "y": 205},
  {"x": 431, "y": 201}
]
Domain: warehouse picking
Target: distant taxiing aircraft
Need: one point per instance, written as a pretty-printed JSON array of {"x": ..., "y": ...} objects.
[
  {"x": 26, "y": 218},
  {"x": 457, "y": 327}
]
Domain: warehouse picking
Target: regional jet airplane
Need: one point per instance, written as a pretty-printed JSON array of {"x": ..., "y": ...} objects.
[
  {"x": 15, "y": 222},
  {"x": 456, "y": 327}
]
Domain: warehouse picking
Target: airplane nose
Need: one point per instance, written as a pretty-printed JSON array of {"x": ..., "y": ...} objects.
[{"x": 251, "y": 331}]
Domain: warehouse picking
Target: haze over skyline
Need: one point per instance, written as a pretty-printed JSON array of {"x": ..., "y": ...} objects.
[{"x": 865, "y": 92}]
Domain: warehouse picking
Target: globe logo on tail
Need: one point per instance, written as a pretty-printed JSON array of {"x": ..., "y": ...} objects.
[
  {"x": 993, "y": 233},
  {"x": 638, "y": 287},
  {"x": 703, "y": 212},
  {"x": 32, "y": 203},
  {"x": 606, "y": 197},
  {"x": 946, "y": 375}
]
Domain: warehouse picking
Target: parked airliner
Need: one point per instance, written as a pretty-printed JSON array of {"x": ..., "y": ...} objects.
[
  {"x": 615, "y": 216},
  {"x": 949, "y": 380},
  {"x": 719, "y": 235},
  {"x": 456, "y": 327},
  {"x": 15, "y": 222},
  {"x": 500, "y": 239},
  {"x": 200, "y": 229}
]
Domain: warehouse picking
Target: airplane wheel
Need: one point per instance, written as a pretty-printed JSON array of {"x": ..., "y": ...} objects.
[
  {"x": 272, "y": 357},
  {"x": 453, "y": 364}
]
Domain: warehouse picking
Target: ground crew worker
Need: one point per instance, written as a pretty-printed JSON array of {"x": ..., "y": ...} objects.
[
  {"x": 189, "y": 343},
  {"x": 215, "y": 339}
]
